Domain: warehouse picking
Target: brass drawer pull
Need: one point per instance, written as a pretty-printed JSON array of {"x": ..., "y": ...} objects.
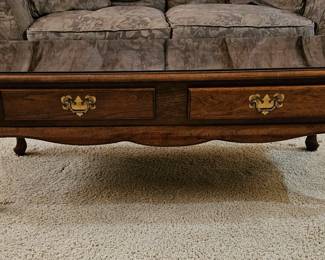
[
  {"x": 267, "y": 104},
  {"x": 77, "y": 106}
]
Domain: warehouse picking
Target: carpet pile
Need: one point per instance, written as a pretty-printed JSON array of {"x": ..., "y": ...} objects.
[{"x": 125, "y": 201}]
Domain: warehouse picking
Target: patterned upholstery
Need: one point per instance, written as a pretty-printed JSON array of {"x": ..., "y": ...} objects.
[
  {"x": 172, "y": 3},
  {"x": 42, "y": 7},
  {"x": 118, "y": 22},
  {"x": 295, "y": 6},
  {"x": 17, "y": 17},
  {"x": 315, "y": 10},
  {"x": 245, "y": 53},
  {"x": 96, "y": 55},
  {"x": 181, "y": 54},
  {"x": 134, "y": 19},
  {"x": 215, "y": 21},
  {"x": 206, "y": 34},
  {"x": 159, "y": 4},
  {"x": 8, "y": 25}
]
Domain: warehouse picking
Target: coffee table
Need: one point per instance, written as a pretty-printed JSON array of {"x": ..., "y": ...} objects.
[
  {"x": 163, "y": 109},
  {"x": 158, "y": 107}
]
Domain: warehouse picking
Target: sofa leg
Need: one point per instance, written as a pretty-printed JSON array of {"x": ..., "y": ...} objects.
[
  {"x": 311, "y": 143},
  {"x": 21, "y": 146}
]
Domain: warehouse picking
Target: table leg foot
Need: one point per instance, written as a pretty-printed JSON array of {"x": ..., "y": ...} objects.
[
  {"x": 21, "y": 146},
  {"x": 312, "y": 143}
]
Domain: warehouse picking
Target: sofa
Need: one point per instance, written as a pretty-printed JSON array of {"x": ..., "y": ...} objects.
[{"x": 129, "y": 35}]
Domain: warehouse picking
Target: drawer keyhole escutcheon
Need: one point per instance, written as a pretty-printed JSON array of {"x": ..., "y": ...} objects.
[
  {"x": 267, "y": 104},
  {"x": 78, "y": 106}
]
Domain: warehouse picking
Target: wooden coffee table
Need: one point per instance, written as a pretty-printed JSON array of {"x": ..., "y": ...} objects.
[{"x": 163, "y": 108}]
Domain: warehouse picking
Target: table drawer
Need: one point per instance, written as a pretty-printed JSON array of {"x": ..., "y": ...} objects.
[
  {"x": 97, "y": 105},
  {"x": 257, "y": 103}
]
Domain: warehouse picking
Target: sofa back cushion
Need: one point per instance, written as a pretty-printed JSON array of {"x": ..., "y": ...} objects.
[
  {"x": 8, "y": 25},
  {"x": 43, "y": 7},
  {"x": 296, "y": 6},
  {"x": 172, "y": 3},
  {"x": 158, "y": 4},
  {"x": 15, "y": 18}
]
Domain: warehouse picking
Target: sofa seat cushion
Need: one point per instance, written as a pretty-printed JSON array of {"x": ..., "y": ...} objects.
[
  {"x": 223, "y": 20},
  {"x": 118, "y": 22}
]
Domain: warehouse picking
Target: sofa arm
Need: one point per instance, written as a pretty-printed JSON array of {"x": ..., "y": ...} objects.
[
  {"x": 315, "y": 10},
  {"x": 15, "y": 18}
]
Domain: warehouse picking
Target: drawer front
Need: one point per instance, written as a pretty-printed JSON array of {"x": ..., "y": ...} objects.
[
  {"x": 257, "y": 103},
  {"x": 97, "y": 105}
]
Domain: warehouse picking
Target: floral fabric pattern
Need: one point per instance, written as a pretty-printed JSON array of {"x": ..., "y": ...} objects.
[
  {"x": 159, "y": 4},
  {"x": 96, "y": 55},
  {"x": 16, "y": 17},
  {"x": 246, "y": 53},
  {"x": 296, "y": 6},
  {"x": 119, "y": 22},
  {"x": 172, "y": 3},
  {"x": 206, "y": 21},
  {"x": 315, "y": 10},
  {"x": 8, "y": 25},
  {"x": 174, "y": 54},
  {"x": 43, "y": 7}
]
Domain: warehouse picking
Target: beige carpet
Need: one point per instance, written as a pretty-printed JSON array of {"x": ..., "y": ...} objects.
[{"x": 125, "y": 201}]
